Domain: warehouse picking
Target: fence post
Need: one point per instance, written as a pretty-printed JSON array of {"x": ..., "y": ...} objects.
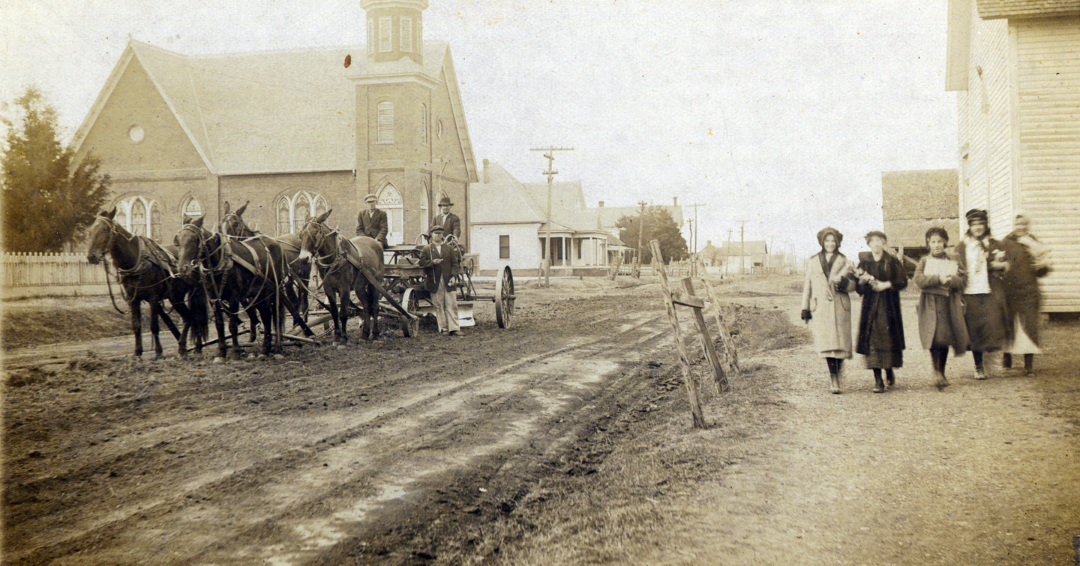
[{"x": 684, "y": 359}]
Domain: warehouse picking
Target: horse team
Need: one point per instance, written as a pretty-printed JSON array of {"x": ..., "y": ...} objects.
[{"x": 236, "y": 270}]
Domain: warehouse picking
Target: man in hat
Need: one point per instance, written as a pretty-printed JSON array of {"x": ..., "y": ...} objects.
[
  {"x": 372, "y": 222},
  {"x": 439, "y": 260},
  {"x": 448, "y": 220}
]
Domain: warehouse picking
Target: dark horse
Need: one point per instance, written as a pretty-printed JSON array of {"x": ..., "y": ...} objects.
[
  {"x": 237, "y": 275},
  {"x": 345, "y": 265},
  {"x": 146, "y": 273},
  {"x": 296, "y": 286}
]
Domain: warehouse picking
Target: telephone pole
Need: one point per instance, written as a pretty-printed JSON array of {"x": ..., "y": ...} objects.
[
  {"x": 551, "y": 172},
  {"x": 641, "y": 228},
  {"x": 742, "y": 243},
  {"x": 727, "y": 254},
  {"x": 693, "y": 239}
]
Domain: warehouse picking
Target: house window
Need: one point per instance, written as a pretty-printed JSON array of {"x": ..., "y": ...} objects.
[
  {"x": 371, "y": 36},
  {"x": 390, "y": 202},
  {"x": 386, "y": 122},
  {"x": 140, "y": 216},
  {"x": 406, "y": 35},
  {"x": 423, "y": 124},
  {"x": 504, "y": 247},
  {"x": 386, "y": 43},
  {"x": 294, "y": 211}
]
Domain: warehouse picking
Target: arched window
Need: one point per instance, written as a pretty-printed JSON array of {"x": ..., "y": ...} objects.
[
  {"x": 385, "y": 122},
  {"x": 425, "y": 204},
  {"x": 423, "y": 124},
  {"x": 140, "y": 216},
  {"x": 292, "y": 211},
  {"x": 390, "y": 202},
  {"x": 191, "y": 209}
]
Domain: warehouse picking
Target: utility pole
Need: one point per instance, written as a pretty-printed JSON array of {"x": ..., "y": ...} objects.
[
  {"x": 693, "y": 239},
  {"x": 551, "y": 172},
  {"x": 727, "y": 254},
  {"x": 742, "y": 242},
  {"x": 641, "y": 229}
]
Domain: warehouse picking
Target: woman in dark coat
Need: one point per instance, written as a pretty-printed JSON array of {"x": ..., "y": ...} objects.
[
  {"x": 984, "y": 260},
  {"x": 1028, "y": 261},
  {"x": 826, "y": 306},
  {"x": 881, "y": 328},
  {"x": 941, "y": 305}
]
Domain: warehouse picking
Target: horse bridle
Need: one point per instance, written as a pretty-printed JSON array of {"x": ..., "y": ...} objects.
[
  {"x": 242, "y": 226},
  {"x": 323, "y": 233},
  {"x": 204, "y": 250}
]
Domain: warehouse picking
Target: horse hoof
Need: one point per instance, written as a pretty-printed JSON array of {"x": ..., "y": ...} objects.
[
  {"x": 261, "y": 357},
  {"x": 251, "y": 356},
  {"x": 341, "y": 347},
  {"x": 279, "y": 357},
  {"x": 219, "y": 360}
]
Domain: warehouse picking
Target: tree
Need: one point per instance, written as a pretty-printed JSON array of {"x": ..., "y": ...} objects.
[
  {"x": 47, "y": 199},
  {"x": 655, "y": 223}
]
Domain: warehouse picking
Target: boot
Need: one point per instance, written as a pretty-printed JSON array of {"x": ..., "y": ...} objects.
[
  {"x": 890, "y": 379},
  {"x": 939, "y": 380},
  {"x": 1029, "y": 365},
  {"x": 879, "y": 385},
  {"x": 1006, "y": 361},
  {"x": 835, "y": 384}
]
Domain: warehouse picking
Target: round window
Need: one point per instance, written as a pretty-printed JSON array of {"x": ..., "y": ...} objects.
[{"x": 136, "y": 134}]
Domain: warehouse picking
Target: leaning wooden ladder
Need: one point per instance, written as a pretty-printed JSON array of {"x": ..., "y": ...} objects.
[{"x": 686, "y": 297}]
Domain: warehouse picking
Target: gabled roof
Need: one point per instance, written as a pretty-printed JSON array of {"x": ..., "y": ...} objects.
[
  {"x": 993, "y": 9},
  {"x": 502, "y": 200},
  {"x": 564, "y": 196},
  {"x": 272, "y": 111}
]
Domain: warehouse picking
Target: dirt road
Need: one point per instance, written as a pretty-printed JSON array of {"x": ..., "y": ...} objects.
[{"x": 564, "y": 440}]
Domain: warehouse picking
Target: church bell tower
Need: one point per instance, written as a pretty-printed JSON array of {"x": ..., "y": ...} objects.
[{"x": 395, "y": 29}]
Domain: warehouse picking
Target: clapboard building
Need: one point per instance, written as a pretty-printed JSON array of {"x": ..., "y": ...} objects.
[
  {"x": 1015, "y": 66},
  {"x": 295, "y": 132},
  {"x": 912, "y": 202}
]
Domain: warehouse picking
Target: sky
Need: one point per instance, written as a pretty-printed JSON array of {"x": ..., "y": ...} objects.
[{"x": 778, "y": 116}]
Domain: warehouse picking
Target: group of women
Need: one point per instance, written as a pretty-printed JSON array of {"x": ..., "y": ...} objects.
[{"x": 983, "y": 297}]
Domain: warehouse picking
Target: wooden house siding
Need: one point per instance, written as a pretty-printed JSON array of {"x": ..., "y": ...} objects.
[{"x": 1048, "y": 105}]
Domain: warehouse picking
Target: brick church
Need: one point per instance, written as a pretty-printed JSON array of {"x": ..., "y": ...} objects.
[{"x": 295, "y": 132}]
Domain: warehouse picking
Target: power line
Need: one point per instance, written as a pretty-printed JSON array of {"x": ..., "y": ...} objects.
[{"x": 551, "y": 172}]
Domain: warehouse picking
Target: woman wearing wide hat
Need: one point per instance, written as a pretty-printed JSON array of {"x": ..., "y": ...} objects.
[{"x": 826, "y": 306}]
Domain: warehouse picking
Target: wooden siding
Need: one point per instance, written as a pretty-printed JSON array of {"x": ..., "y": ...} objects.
[{"x": 1048, "y": 77}]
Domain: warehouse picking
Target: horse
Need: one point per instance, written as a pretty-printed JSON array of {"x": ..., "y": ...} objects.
[
  {"x": 237, "y": 275},
  {"x": 296, "y": 286},
  {"x": 345, "y": 265},
  {"x": 146, "y": 273}
]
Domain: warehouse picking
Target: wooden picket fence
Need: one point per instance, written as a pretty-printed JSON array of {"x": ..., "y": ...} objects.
[{"x": 49, "y": 270}]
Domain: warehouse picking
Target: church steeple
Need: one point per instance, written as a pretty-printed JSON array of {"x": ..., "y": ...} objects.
[{"x": 395, "y": 29}]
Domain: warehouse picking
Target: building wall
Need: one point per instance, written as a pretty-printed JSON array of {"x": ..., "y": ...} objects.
[
  {"x": 524, "y": 253},
  {"x": 1047, "y": 103},
  {"x": 263, "y": 192},
  {"x": 984, "y": 111}
]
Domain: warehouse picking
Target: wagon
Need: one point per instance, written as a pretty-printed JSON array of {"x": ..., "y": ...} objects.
[{"x": 404, "y": 279}]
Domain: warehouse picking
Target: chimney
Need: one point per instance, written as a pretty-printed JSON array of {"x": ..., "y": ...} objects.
[
  {"x": 487, "y": 177},
  {"x": 676, "y": 201},
  {"x": 708, "y": 243},
  {"x": 601, "y": 204}
]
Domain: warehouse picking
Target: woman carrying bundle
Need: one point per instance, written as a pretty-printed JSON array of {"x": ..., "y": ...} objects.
[
  {"x": 881, "y": 328},
  {"x": 941, "y": 306}
]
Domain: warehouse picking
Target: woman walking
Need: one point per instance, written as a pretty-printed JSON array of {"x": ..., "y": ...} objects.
[
  {"x": 881, "y": 328},
  {"x": 826, "y": 305},
  {"x": 941, "y": 306},
  {"x": 984, "y": 260},
  {"x": 1028, "y": 261}
]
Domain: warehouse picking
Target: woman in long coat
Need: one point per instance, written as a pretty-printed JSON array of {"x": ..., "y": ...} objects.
[
  {"x": 941, "y": 305},
  {"x": 826, "y": 306},
  {"x": 881, "y": 328},
  {"x": 1028, "y": 261},
  {"x": 984, "y": 260}
]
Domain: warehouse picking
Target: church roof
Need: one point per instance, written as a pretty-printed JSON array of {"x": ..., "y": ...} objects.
[{"x": 270, "y": 111}]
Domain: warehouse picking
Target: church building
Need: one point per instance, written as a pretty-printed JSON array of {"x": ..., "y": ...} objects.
[{"x": 295, "y": 132}]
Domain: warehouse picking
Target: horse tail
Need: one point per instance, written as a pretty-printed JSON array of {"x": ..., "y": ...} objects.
[{"x": 200, "y": 317}]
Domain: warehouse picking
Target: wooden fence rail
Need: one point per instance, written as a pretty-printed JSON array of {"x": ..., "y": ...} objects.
[{"x": 48, "y": 270}]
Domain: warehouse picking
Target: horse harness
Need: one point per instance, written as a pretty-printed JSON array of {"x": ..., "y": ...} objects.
[{"x": 226, "y": 260}]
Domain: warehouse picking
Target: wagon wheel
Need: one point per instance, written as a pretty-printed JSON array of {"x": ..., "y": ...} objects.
[
  {"x": 504, "y": 298},
  {"x": 409, "y": 300}
]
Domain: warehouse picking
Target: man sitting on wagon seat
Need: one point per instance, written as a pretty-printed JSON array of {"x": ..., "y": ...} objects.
[
  {"x": 439, "y": 260},
  {"x": 372, "y": 222}
]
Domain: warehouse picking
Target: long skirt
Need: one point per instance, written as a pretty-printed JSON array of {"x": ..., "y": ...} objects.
[
  {"x": 944, "y": 335},
  {"x": 884, "y": 350},
  {"x": 985, "y": 322}
]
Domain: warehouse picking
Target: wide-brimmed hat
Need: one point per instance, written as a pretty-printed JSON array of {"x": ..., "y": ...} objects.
[
  {"x": 976, "y": 215},
  {"x": 825, "y": 232},
  {"x": 445, "y": 201},
  {"x": 371, "y": 198}
]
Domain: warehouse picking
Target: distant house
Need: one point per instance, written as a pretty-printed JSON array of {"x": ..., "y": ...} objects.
[
  {"x": 1016, "y": 70},
  {"x": 732, "y": 258},
  {"x": 296, "y": 132},
  {"x": 509, "y": 226},
  {"x": 913, "y": 201}
]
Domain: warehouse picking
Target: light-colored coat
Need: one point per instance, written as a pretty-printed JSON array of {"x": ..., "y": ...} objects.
[
  {"x": 830, "y": 309},
  {"x": 931, "y": 286}
]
